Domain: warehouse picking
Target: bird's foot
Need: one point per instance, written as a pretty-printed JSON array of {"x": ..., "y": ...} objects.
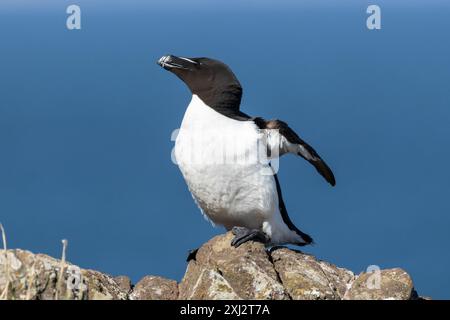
[
  {"x": 242, "y": 235},
  {"x": 192, "y": 255}
]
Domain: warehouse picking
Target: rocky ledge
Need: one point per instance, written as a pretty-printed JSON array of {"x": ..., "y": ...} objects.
[{"x": 218, "y": 271}]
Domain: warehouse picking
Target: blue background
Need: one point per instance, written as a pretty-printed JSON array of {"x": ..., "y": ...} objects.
[{"x": 86, "y": 118}]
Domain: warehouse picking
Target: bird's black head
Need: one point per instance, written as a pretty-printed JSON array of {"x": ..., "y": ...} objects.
[{"x": 211, "y": 80}]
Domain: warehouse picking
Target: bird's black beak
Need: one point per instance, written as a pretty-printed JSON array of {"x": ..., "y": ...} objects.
[{"x": 171, "y": 62}]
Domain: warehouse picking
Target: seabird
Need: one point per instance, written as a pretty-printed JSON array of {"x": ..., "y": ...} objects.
[{"x": 218, "y": 150}]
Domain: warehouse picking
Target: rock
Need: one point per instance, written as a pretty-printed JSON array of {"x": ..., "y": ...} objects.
[
  {"x": 99, "y": 286},
  {"x": 219, "y": 271},
  {"x": 390, "y": 284},
  {"x": 306, "y": 278},
  {"x": 155, "y": 288},
  {"x": 38, "y": 277},
  {"x": 124, "y": 283}
]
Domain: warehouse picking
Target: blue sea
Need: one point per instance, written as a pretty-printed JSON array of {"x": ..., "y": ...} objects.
[{"x": 86, "y": 118}]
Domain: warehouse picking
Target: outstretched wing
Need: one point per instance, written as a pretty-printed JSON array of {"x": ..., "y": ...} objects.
[{"x": 289, "y": 142}]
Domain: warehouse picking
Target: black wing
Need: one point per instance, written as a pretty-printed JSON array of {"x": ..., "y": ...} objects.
[{"x": 294, "y": 144}]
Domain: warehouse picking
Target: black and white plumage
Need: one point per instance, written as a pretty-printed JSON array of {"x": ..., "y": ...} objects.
[{"x": 217, "y": 152}]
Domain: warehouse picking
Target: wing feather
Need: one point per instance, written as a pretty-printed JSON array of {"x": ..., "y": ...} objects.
[{"x": 290, "y": 142}]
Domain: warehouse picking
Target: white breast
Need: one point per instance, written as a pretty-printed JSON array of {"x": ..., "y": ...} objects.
[{"x": 218, "y": 157}]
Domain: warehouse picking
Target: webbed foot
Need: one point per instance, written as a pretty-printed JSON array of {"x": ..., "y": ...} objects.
[{"x": 242, "y": 235}]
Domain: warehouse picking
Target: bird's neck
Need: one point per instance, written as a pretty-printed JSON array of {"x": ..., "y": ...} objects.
[{"x": 222, "y": 98}]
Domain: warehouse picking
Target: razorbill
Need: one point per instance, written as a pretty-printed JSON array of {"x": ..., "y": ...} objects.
[{"x": 218, "y": 151}]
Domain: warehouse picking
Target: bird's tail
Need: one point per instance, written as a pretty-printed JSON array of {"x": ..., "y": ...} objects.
[{"x": 305, "y": 237}]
